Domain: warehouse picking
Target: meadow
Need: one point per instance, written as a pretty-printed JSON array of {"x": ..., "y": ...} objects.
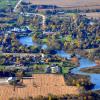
[{"x": 5, "y": 3}]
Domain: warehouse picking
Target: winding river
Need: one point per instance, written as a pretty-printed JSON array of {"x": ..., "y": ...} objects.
[{"x": 84, "y": 62}]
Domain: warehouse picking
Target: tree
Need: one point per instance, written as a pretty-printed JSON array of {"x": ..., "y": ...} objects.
[
  {"x": 13, "y": 82},
  {"x": 20, "y": 75},
  {"x": 20, "y": 20}
]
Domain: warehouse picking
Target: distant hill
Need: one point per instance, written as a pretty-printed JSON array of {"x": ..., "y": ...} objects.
[{"x": 66, "y": 3}]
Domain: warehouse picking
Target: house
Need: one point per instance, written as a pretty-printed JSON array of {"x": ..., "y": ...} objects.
[{"x": 53, "y": 69}]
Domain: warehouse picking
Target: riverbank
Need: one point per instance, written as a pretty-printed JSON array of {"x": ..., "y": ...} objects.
[
  {"x": 89, "y": 53},
  {"x": 79, "y": 81},
  {"x": 94, "y": 69},
  {"x": 97, "y": 93}
]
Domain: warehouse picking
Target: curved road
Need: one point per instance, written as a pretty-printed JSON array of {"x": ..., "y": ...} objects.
[{"x": 43, "y": 16}]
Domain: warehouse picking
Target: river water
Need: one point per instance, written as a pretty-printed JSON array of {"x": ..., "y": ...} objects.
[
  {"x": 27, "y": 41},
  {"x": 84, "y": 62}
]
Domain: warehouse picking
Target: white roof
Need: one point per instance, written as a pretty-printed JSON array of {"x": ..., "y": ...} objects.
[{"x": 11, "y": 78}]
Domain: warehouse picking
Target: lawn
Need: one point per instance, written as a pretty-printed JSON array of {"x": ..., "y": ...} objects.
[
  {"x": 2, "y": 67},
  {"x": 41, "y": 67},
  {"x": 4, "y": 3},
  {"x": 65, "y": 70}
]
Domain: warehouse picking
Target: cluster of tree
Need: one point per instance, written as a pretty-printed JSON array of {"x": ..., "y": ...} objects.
[
  {"x": 10, "y": 21},
  {"x": 12, "y": 45},
  {"x": 7, "y": 73},
  {"x": 15, "y": 60},
  {"x": 72, "y": 33},
  {"x": 79, "y": 80},
  {"x": 30, "y": 60},
  {"x": 96, "y": 55},
  {"x": 83, "y": 96}
]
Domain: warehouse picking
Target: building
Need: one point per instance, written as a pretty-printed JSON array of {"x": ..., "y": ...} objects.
[{"x": 53, "y": 69}]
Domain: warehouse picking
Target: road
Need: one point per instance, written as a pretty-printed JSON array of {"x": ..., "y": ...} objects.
[
  {"x": 3, "y": 81},
  {"x": 17, "y": 5},
  {"x": 43, "y": 16},
  {"x": 20, "y": 54}
]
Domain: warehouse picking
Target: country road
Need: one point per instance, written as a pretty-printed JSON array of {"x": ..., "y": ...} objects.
[
  {"x": 20, "y": 54},
  {"x": 43, "y": 16},
  {"x": 3, "y": 81},
  {"x": 17, "y": 5}
]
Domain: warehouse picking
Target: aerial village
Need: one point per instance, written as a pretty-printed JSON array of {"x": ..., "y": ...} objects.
[{"x": 48, "y": 52}]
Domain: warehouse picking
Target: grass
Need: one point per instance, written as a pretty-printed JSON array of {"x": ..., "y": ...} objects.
[
  {"x": 45, "y": 40},
  {"x": 65, "y": 70},
  {"x": 70, "y": 14},
  {"x": 2, "y": 67},
  {"x": 43, "y": 66},
  {"x": 4, "y": 3}
]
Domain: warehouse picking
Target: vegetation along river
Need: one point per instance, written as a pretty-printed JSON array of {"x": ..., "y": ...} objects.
[{"x": 84, "y": 62}]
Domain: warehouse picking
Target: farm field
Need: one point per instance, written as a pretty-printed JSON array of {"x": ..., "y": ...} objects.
[
  {"x": 93, "y": 15},
  {"x": 67, "y": 3},
  {"x": 43, "y": 84}
]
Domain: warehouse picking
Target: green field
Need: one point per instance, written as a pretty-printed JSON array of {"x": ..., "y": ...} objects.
[{"x": 4, "y": 3}]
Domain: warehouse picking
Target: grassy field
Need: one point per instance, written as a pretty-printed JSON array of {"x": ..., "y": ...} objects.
[
  {"x": 65, "y": 70},
  {"x": 4, "y": 3},
  {"x": 2, "y": 67},
  {"x": 42, "y": 67}
]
